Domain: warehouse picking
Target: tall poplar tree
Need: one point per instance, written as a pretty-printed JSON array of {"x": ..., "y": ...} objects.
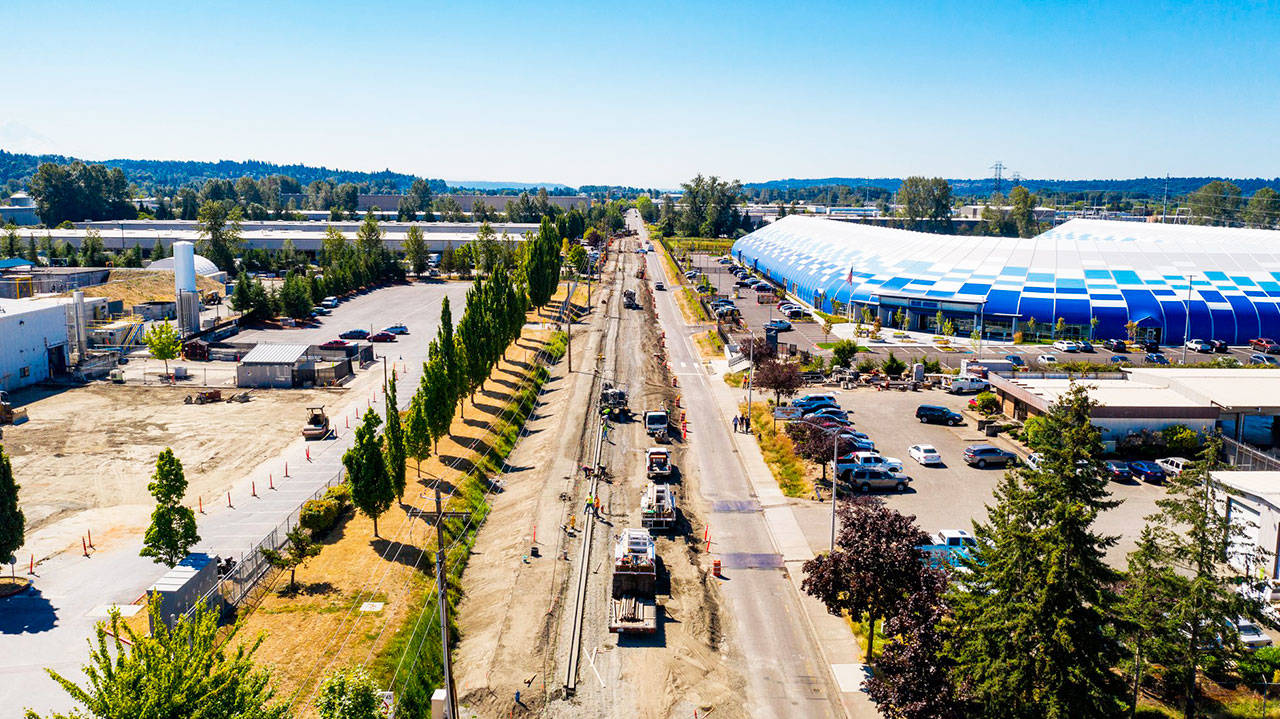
[
  {"x": 1033, "y": 632},
  {"x": 173, "y": 527},
  {"x": 371, "y": 489},
  {"x": 394, "y": 433}
]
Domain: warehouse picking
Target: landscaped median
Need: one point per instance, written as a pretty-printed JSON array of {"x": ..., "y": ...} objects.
[{"x": 779, "y": 452}]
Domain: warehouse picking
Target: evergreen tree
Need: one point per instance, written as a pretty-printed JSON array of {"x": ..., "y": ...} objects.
[
  {"x": 371, "y": 489},
  {"x": 1197, "y": 545},
  {"x": 1033, "y": 635},
  {"x": 1144, "y": 609},
  {"x": 448, "y": 354},
  {"x": 173, "y": 527},
  {"x": 417, "y": 429},
  {"x": 12, "y": 522},
  {"x": 394, "y": 433},
  {"x": 415, "y": 250}
]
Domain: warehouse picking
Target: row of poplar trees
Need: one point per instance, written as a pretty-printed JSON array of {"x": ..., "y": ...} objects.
[{"x": 459, "y": 361}]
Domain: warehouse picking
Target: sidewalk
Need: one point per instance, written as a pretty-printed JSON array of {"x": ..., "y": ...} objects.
[{"x": 839, "y": 647}]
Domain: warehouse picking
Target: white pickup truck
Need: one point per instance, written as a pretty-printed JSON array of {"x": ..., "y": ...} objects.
[{"x": 868, "y": 460}]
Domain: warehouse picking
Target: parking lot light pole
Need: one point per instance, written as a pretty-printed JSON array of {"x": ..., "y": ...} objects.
[
  {"x": 835, "y": 455},
  {"x": 1187, "y": 329}
]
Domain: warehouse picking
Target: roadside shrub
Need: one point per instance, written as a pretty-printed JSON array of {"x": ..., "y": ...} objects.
[
  {"x": 1181, "y": 440},
  {"x": 844, "y": 352},
  {"x": 1034, "y": 431},
  {"x": 1259, "y": 666},
  {"x": 318, "y": 515},
  {"x": 893, "y": 366},
  {"x": 1017, "y": 337},
  {"x": 931, "y": 366},
  {"x": 341, "y": 494},
  {"x": 867, "y": 366},
  {"x": 987, "y": 402}
]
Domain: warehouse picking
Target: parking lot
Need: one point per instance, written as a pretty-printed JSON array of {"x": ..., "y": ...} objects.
[
  {"x": 414, "y": 305},
  {"x": 807, "y": 333},
  {"x": 953, "y": 494}
]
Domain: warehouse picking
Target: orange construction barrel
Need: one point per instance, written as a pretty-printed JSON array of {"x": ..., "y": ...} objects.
[{"x": 715, "y": 567}]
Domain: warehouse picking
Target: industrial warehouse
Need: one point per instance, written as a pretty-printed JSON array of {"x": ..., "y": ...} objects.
[{"x": 1092, "y": 279}]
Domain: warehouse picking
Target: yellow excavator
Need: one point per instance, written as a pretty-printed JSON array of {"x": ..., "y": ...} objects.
[{"x": 9, "y": 415}]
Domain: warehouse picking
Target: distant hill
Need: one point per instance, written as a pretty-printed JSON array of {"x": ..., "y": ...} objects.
[
  {"x": 1139, "y": 186},
  {"x": 485, "y": 185},
  {"x": 175, "y": 173}
]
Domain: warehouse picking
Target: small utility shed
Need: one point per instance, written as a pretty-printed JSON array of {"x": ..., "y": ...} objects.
[
  {"x": 1253, "y": 505},
  {"x": 271, "y": 365}
]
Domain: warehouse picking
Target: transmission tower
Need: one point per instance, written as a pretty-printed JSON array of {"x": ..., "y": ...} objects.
[{"x": 998, "y": 168}]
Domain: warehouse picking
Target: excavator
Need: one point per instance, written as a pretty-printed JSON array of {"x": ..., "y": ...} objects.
[{"x": 9, "y": 415}]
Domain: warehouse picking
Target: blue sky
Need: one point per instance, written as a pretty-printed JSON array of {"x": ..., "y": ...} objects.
[{"x": 649, "y": 94}]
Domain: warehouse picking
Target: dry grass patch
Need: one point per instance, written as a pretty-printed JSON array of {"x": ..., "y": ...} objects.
[
  {"x": 134, "y": 286},
  {"x": 779, "y": 452}
]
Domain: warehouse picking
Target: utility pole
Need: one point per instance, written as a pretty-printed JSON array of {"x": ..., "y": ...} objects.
[
  {"x": 1187, "y": 329},
  {"x": 1164, "y": 211},
  {"x": 442, "y": 596}
]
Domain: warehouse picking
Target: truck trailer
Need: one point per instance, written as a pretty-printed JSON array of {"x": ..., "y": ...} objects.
[
  {"x": 632, "y": 608},
  {"x": 658, "y": 507}
]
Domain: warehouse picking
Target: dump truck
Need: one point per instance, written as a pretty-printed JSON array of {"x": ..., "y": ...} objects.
[
  {"x": 632, "y": 608},
  {"x": 656, "y": 423},
  {"x": 629, "y": 300},
  {"x": 317, "y": 426},
  {"x": 658, "y": 507},
  {"x": 658, "y": 462}
]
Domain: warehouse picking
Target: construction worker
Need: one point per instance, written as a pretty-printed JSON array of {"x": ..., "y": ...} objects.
[
  {"x": 597, "y": 499},
  {"x": 573, "y": 523},
  {"x": 587, "y": 509}
]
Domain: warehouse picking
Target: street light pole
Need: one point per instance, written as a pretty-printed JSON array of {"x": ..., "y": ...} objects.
[
  {"x": 835, "y": 443},
  {"x": 1187, "y": 329}
]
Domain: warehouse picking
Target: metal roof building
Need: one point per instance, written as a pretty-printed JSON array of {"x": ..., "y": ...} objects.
[
  {"x": 271, "y": 365},
  {"x": 1095, "y": 275}
]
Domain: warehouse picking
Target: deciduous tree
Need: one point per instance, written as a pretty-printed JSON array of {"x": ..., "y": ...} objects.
[
  {"x": 298, "y": 549},
  {"x": 219, "y": 239},
  {"x": 348, "y": 694},
  {"x": 173, "y": 526},
  {"x": 415, "y": 250},
  {"x": 371, "y": 490},
  {"x": 782, "y": 378},
  {"x": 163, "y": 343}
]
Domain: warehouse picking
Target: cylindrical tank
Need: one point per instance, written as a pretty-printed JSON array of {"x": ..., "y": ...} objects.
[
  {"x": 82, "y": 334},
  {"x": 184, "y": 267}
]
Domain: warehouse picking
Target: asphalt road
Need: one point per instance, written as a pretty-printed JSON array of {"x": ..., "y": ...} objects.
[
  {"x": 47, "y": 625},
  {"x": 786, "y": 677}
]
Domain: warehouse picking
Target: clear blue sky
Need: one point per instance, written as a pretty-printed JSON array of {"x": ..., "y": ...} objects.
[{"x": 650, "y": 95}]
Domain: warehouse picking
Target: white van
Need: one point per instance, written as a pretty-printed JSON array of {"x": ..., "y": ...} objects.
[
  {"x": 1173, "y": 465},
  {"x": 968, "y": 383}
]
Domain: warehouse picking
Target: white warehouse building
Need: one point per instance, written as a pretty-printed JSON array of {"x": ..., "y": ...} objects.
[{"x": 34, "y": 343}]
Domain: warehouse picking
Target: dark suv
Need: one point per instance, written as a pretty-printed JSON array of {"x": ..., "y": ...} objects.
[
  {"x": 1116, "y": 345},
  {"x": 933, "y": 414},
  {"x": 982, "y": 455}
]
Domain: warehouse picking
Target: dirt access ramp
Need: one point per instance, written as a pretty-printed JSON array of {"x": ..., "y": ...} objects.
[
  {"x": 133, "y": 286},
  {"x": 85, "y": 457}
]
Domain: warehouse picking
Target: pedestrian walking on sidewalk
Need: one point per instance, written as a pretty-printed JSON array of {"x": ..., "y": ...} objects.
[{"x": 735, "y": 424}]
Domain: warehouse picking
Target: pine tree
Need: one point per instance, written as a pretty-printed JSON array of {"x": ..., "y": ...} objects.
[
  {"x": 371, "y": 489},
  {"x": 1033, "y": 635},
  {"x": 417, "y": 429},
  {"x": 1144, "y": 609},
  {"x": 12, "y": 522},
  {"x": 173, "y": 527},
  {"x": 1194, "y": 541},
  {"x": 448, "y": 355},
  {"x": 395, "y": 458}
]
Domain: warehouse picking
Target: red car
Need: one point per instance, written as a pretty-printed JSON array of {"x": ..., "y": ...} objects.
[
  {"x": 1263, "y": 344},
  {"x": 335, "y": 345},
  {"x": 382, "y": 337}
]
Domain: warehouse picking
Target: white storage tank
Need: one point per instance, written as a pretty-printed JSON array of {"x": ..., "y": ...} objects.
[{"x": 184, "y": 267}]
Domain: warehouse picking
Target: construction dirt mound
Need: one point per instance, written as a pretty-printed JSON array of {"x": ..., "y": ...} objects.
[{"x": 133, "y": 287}]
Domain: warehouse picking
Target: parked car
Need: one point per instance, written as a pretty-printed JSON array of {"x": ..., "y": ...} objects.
[
  {"x": 1047, "y": 359},
  {"x": 985, "y": 455},
  {"x": 869, "y": 478},
  {"x": 934, "y": 414},
  {"x": 1198, "y": 346},
  {"x": 1120, "y": 359},
  {"x": 329, "y": 302},
  {"x": 1258, "y": 358},
  {"x": 1085, "y": 345},
  {"x": 795, "y": 313},
  {"x": 382, "y": 337},
  {"x": 1116, "y": 345},
  {"x": 814, "y": 400},
  {"x": 924, "y": 454},
  {"x": 659, "y": 285},
  {"x": 397, "y": 329},
  {"x": 1033, "y": 460},
  {"x": 742, "y": 283},
  {"x": 1149, "y": 472},
  {"x": 335, "y": 345},
  {"x": 868, "y": 459},
  {"x": 779, "y": 325},
  {"x": 1219, "y": 346},
  {"x": 1264, "y": 344},
  {"x": 1118, "y": 471},
  {"x": 1173, "y": 465},
  {"x": 1066, "y": 346},
  {"x": 1015, "y": 360},
  {"x": 1148, "y": 345},
  {"x": 829, "y": 412},
  {"x": 320, "y": 310},
  {"x": 692, "y": 275},
  {"x": 1154, "y": 358},
  {"x": 1251, "y": 635},
  {"x": 355, "y": 334}
]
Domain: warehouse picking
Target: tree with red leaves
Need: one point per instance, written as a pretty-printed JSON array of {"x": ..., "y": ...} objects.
[
  {"x": 912, "y": 679},
  {"x": 781, "y": 378},
  {"x": 877, "y": 565}
]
